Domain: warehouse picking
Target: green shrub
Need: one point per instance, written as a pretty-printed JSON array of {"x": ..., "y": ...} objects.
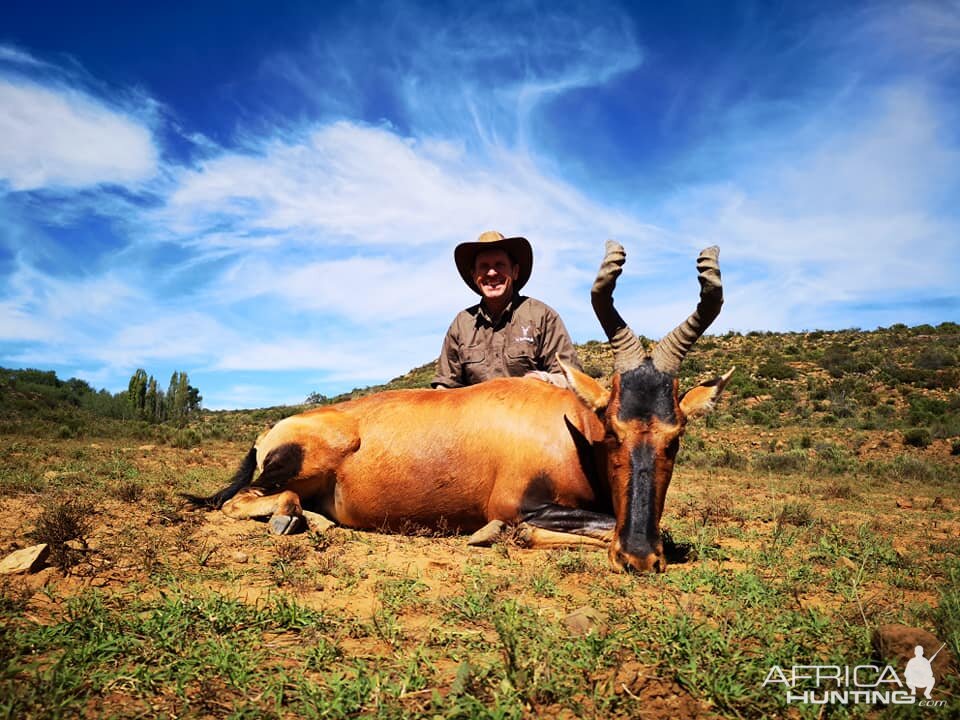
[
  {"x": 776, "y": 368},
  {"x": 909, "y": 467},
  {"x": 796, "y": 513},
  {"x": 838, "y": 360},
  {"x": 935, "y": 357},
  {"x": 917, "y": 437},
  {"x": 833, "y": 459},
  {"x": 790, "y": 461},
  {"x": 186, "y": 438}
]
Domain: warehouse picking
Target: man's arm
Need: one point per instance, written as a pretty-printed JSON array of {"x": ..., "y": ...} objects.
[{"x": 449, "y": 367}]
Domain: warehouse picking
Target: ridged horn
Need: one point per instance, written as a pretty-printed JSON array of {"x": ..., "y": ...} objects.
[
  {"x": 673, "y": 348},
  {"x": 627, "y": 350}
]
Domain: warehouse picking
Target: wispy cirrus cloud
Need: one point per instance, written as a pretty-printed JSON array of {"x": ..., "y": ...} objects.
[{"x": 64, "y": 138}]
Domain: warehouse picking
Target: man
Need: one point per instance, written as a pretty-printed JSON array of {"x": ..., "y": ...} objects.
[{"x": 506, "y": 334}]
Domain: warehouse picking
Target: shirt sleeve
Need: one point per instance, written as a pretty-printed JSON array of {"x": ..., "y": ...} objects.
[
  {"x": 556, "y": 341},
  {"x": 449, "y": 364}
]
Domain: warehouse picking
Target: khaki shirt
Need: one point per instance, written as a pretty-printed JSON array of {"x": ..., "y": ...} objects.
[{"x": 526, "y": 338}]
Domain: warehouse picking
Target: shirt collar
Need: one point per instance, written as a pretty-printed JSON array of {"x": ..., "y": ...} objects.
[{"x": 507, "y": 311}]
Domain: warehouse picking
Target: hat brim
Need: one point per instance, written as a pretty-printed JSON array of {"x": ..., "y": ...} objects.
[{"x": 517, "y": 248}]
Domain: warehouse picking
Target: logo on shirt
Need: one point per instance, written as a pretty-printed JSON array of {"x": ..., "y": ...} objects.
[{"x": 525, "y": 329}]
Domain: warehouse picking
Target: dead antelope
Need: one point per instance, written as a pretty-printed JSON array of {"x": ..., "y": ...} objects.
[{"x": 591, "y": 466}]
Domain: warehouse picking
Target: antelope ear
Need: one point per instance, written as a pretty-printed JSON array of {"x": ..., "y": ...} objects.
[
  {"x": 699, "y": 400},
  {"x": 590, "y": 392}
]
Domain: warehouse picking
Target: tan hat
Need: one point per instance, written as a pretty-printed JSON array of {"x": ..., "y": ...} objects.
[{"x": 518, "y": 248}]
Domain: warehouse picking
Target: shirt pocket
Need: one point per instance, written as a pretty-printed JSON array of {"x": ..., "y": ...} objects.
[
  {"x": 473, "y": 368},
  {"x": 521, "y": 358}
]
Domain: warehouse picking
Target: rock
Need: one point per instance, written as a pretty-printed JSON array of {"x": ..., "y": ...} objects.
[
  {"x": 584, "y": 621},
  {"x": 896, "y": 644},
  {"x": 904, "y": 503},
  {"x": 487, "y": 535},
  {"x": 147, "y": 448},
  {"x": 25, "y": 560},
  {"x": 239, "y": 557},
  {"x": 79, "y": 545},
  {"x": 316, "y": 522}
]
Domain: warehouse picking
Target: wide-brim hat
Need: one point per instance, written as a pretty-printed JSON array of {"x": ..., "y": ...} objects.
[{"x": 518, "y": 248}]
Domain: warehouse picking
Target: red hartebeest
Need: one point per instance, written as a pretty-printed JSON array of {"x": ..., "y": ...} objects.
[{"x": 590, "y": 466}]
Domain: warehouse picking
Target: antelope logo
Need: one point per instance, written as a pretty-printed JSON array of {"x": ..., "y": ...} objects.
[{"x": 525, "y": 329}]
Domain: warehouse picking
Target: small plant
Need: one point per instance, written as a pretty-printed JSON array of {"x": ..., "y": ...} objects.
[
  {"x": 838, "y": 491},
  {"x": 955, "y": 447},
  {"x": 775, "y": 368},
  {"x": 917, "y": 437},
  {"x": 185, "y": 438},
  {"x": 798, "y": 514},
  {"x": 790, "y": 461},
  {"x": 61, "y": 521},
  {"x": 568, "y": 562},
  {"x": 130, "y": 491}
]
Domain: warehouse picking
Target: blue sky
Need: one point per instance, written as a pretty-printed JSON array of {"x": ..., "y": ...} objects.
[{"x": 267, "y": 195}]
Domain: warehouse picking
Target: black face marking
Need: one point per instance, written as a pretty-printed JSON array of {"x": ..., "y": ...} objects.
[
  {"x": 639, "y": 526},
  {"x": 590, "y": 459},
  {"x": 281, "y": 465},
  {"x": 647, "y": 393}
]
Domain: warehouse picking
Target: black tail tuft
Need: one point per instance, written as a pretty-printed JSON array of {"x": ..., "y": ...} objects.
[{"x": 241, "y": 479}]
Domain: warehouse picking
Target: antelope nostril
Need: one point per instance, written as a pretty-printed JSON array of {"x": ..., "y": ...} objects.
[{"x": 643, "y": 562}]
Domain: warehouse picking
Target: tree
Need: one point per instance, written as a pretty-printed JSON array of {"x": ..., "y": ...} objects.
[
  {"x": 182, "y": 398},
  {"x": 137, "y": 392}
]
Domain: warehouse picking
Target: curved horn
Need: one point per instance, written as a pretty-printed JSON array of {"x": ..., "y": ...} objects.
[
  {"x": 627, "y": 350},
  {"x": 670, "y": 351}
]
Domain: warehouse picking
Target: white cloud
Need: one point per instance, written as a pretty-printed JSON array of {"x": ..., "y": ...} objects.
[
  {"x": 854, "y": 218},
  {"x": 60, "y": 137}
]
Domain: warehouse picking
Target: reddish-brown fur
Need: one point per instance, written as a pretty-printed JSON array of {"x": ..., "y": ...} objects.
[{"x": 458, "y": 458}]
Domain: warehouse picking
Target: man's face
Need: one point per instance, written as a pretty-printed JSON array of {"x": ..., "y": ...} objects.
[{"x": 494, "y": 273}]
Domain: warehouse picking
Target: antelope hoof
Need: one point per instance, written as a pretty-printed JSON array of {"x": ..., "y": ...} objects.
[
  {"x": 523, "y": 535},
  {"x": 487, "y": 535},
  {"x": 286, "y": 524}
]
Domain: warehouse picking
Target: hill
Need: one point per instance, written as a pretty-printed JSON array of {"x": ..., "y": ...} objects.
[{"x": 900, "y": 381}]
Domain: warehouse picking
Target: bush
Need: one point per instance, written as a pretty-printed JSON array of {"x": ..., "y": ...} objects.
[
  {"x": 833, "y": 459},
  {"x": 186, "y": 438},
  {"x": 776, "y": 369},
  {"x": 796, "y": 513},
  {"x": 790, "y": 461},
  {"x": 935, "y": 357},
  {"x": 955, "y": 448},
  {"x": 917, "y": 437},
  {"x": 838, "y": 360},
  {"x": 909, "y": 467}
]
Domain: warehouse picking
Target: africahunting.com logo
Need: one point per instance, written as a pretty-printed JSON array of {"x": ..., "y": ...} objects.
[{"x": 849, "y": 685}]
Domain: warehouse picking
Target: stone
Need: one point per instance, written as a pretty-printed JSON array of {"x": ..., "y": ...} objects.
[
  {"x": 896, "y": 644},
  {"x": 585, "y": 620},
  {"x": 904, "y": 503},
  {"x": 24, "y": 561},
  {"x": 239, "y": 557}
]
